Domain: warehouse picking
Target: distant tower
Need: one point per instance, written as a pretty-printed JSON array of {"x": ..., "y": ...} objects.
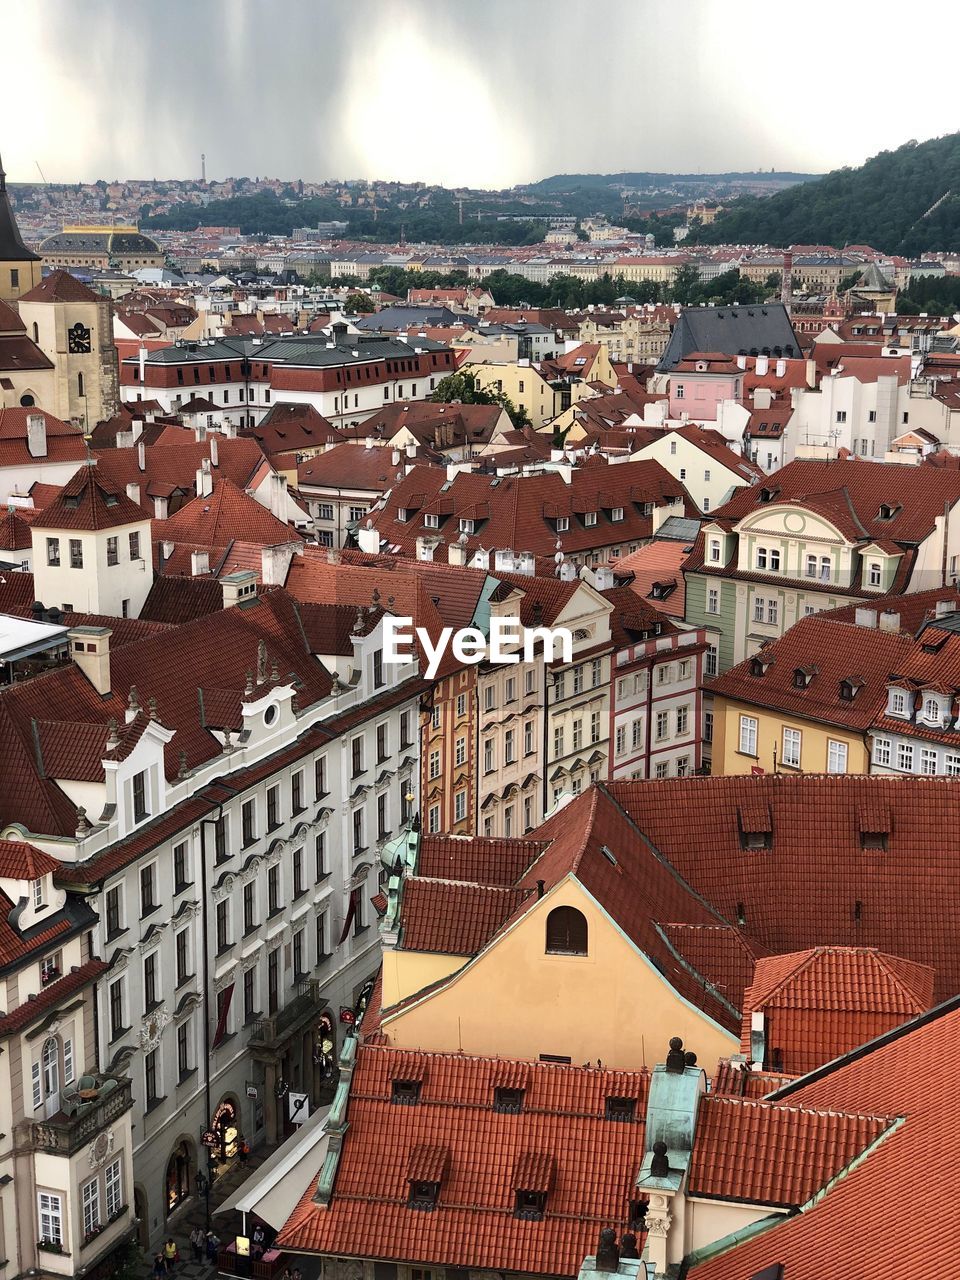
[
  {"x": 203, "y": 166},
  {"x": 786, "y": 280}
]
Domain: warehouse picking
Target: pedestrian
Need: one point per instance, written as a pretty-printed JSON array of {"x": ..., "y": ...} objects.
[
  {"x": 244, "y": 1150},
  {"x": 159, "y": 1267},
  {"x": 259, "y": 1240},
  {"x": 295, "y": 1274},
  {"x": 171, "y": 1255},
  {"x": 196, "y": 1243},
  {"x": 213, "y": 1247}
]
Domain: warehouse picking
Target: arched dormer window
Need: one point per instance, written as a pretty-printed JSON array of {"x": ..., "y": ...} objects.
[{"x": 566, "y": 932}]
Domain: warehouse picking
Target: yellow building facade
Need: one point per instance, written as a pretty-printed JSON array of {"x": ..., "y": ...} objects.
[
  {"x": 517, "y": 1000},
  {"x": 748, "y": 738}
]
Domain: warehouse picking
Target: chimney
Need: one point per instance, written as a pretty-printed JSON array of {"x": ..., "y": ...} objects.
[
  {"x": 143, "y": 364},
  {"x": 275, "y": 563},
  {"x": 395, "y": 457},
  {"x": 426, "y": 547},
  {"x": 889, "y": 620},
  {"x": 811, "y": 373},
  {"x": 167, "y": 549},
  {"x": 204, "y": 480},
  {"x": 762, "y": 398},
  {"x": 763, "y": 364},
  {"x": 741, "y": 362},
  {"x": 603, "y": 577},
  {"x": 238, "y": 587},
  {"x": 277, "y": 493},
  {"x": 411, "y": 450},
  {"x": 141, "y": 456},
  {"x": 866, "y": 618},
  {"x": 90, "y": 650},
  {"x": 214, "y": 450},
  {"x": 133, "y": 492},
  {"x": 199, "y": 563},
  {"x": 457, "y": 553},
  {"x": 945, "y": 607},
  {"x": 37, "y": 435},
  {"x": 136, "y": 429},
  {"x": 781, "y": 367},
  {"x": 526, "y": 563},
  {"x": 568, "y": 571}
]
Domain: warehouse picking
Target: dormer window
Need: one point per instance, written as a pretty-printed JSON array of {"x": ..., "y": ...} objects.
[
  {"x": 590, "y": 519},
  {"x": 622, "y": 1109},
  {"x": 405, "y": 1093},
  {"x": 50, "y": 969},
  {"x": 715, "y": 550},
  {"x": 932, "y": 709},
  {"x": 874, "y": 573},
  {"x": 467, "y": 526},
  {"x": 849, "y": 689},
  {"x": 768, "y": 495},
  {"x": 888, "y": 510},
  {"x": 431, "y": 521},
  {"x": 616, "y": 515},
  {"x": 897, "y": 703},
  {"x": 802, "y": 677},
  {"x": 563, "y": 524},
  {"x": 39, "y": 896},
  {"x": 530, "y": 1205},
  {"x": 508, "y": 1101},
  {"x": 758, "y": 666},
  {"x": 403, "y": 514}
]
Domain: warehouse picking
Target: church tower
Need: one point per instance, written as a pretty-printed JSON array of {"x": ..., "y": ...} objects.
[{"x": 19, "y": 268}]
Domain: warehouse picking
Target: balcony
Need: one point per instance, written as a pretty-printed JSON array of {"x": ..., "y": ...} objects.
[
  {"x": 269, "y": 1032},
  {"x": 85, "y": 1111}
]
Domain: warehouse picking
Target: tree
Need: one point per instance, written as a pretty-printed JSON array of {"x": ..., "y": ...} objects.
[
  {"x": 359, "y": 302},
  {"x": 686, "y": 284},
  {"x": 462, "y": 388}
]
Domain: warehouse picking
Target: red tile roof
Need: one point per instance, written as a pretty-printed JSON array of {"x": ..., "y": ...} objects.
[
  {"x": 54, "y": 992},
  {"x": 560, "y": 1141},
  {"x": 774, "y": 1154},
  {"x": 90, "y": 500},
  {"x": 481, "y": 860},
  {"x": 912, "y": 1072},
  {"x": 21, "y": 861},
  {"x": 61, "y": 286},
  {"x": 458, "y": 919},
  {"x": 658, "y": 563},
  {"x": 350, "y": 466},
  {"x": 226, "y": 514},
  {"x": 169, "y": 467},
  {"x": 823, "y": 1002},
  {"x": 64, "y": 439}
]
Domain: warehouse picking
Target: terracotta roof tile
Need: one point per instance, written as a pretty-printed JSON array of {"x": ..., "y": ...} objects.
[
  {"x": 454, "y": 918},
  {"x": 22, "y": 861},
  {"x": 227, "y": 513},
  {"x": 560, "y": 1141},
  {"x": 90, "y": 500}
]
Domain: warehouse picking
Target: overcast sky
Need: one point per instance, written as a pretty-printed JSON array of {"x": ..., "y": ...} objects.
[{"x": 487, "y": 94}]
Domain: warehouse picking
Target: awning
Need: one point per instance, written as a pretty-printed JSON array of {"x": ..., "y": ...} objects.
[{"x": 275, "y": 1189}]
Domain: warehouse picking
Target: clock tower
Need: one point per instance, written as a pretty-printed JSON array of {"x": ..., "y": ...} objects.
[
  {"x": 19, "y": 268},
  {"x": 73, "y": 327}
]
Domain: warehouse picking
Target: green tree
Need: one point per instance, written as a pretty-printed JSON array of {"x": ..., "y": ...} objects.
[
  {"x": 359, "y": 302},
  {"x": 462, "y": 388}
]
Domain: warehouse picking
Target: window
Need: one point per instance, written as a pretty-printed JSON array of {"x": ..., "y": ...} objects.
[
  {"x": 791, "y": 747},
  {"x": 148, "y": 900},
  {"x": 431, "y": 521},
  {"x": 249, "y": 907},
  {"x": 325, "y": 511},
  {"x": 590, "y": 519},
  {"x": 299, "y": 966},
  {"x": 183, "y": 1051},
  {"x": 563, "y": 524},
  {"x": 76, "y": 553},
  {"x": 881, "y": 750},
  {"x": 951, "y": 765},
  {"x": 273, "y": 808},
  {"x": 621, "y": 740},
  {"x": 873, "y": 574},
  {"x": 321, "y": 936},
  {"x": 50, "y": 1209},
  {"x": 683, "y": 473},
  {"x": 530, "y": 1205},
  {"x": 223, "y": 925},
  {"x": 461, "y": 704},
  {"x": 566, "y": 932},
  {"x": 220, "y": 850},
  {"x": 713, "y": 600},
  {"x": 578, "y": 680},
  {"x": 433, "y": 819},
  {"x": 150, "y": 997},
  {"x": 379, "y": 680},
  {"x": 594, "y": 726},
  {"x": 273, "y": 980},
  {"x": 596, "y": 672},
  {"x": 620, "y": 1109},
  {"x": 557, "y": 741},
  {"x": 460, "y": 751},
  {"x": 761, "y": 557},
  {"x": 616, "y": 515},
  {"x": 714, "y": 550},
  {"x": 898, "y": 703},
  {"x": 114, "y": 925},
  {"x": 663, "y": 725},
  {"x": 711, "y": 660},
  {"x": 113, "y": 551},
  {"x": 577, "y": 735},
  {"x": 528, "y": 738},
  {"x": 434, "y": 764},
  {"x": 530, "y": 680},
  {"x": 841, "y": 415},
  {"x": 825, "y": 569},
  {"x": 928, "y": 760},
  {"x": 358, "y": 841},
  {"x": 748, "y": 735},
  {"x": 508, "y": 1101},
  {"x": 836, "y": 756},
  {"x": 53, "y": 551},
  {"x": 905, "y": 756},
  {"x": 113, "y": 1181},
  {"x": 180, "y": 868},
  {"x": 459, "y": 806},
  {"x": 773, "y": 611},
  {"x": 708, "y": 726},
  {"x": 151, "y": 1066},
  {"x": 248, "y": 822},
  {"x": 683, "y": 719},
  {"x": 140, "y": 796},
  {"x": 932, "y": 712},
  {"x": 356, "y": 757},
  {"x": 509, "y": 747},
  {"x": 274, "y": 903},
  {"x": 320, "y": 856},
  {"x": 320, "y": 777},
  {"x": 182, "y": 949},
  {"x": 50, "y": 968}
]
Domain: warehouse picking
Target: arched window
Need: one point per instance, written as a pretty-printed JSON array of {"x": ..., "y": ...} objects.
[
  {"x": 79, "y": 384},
  {"x": 36, "y": 332},
  {"x": 51, "y": 1066},
  {"x": 566, "y": 932},
  {"x": 27, "y": 401}
]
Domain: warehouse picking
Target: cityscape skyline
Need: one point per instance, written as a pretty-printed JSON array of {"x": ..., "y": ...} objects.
[{"x": 431, "y": 95}]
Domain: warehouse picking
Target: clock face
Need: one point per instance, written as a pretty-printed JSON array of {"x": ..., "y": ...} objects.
[{"x": 79, "y": 339}]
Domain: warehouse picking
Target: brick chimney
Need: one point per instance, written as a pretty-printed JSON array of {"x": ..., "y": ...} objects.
[{"x": 90, "y": 650}]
